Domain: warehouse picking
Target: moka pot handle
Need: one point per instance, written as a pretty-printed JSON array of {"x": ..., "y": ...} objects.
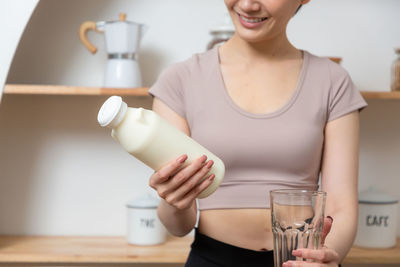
[{"x": 84, "y": 28}]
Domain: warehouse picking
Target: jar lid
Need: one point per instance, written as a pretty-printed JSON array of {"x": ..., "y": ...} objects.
[
  {"x": 144, "y": 202},
  {"x": 226, "y": 27},
  {"x": 371, "y": 196}
]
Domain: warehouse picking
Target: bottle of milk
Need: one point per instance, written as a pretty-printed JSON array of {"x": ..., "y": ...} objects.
[{"x": 153, "y": 140}]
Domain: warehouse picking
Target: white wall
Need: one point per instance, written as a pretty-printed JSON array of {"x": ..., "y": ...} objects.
[
  {"x": 62, "y": 174},
  {"x": 11, "y": 13}
]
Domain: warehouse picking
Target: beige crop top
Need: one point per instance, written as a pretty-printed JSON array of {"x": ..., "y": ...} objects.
[{"x": 261, "y": 152}]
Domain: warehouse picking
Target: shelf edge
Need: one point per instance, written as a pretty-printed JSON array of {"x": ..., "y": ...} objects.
[{"x": 28, "y": 89}]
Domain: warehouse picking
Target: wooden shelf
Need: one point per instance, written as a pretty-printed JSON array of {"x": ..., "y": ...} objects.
[
  {"x": 380, "y": 95},
  {"x": 29, "y": 89},
  {"x": 103, "y": 250},
  {"x": 71, "y": 90}
]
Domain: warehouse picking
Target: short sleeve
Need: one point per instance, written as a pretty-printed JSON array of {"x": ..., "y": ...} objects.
[
  {"x": 169, "y": 89},
  {"x": 344, "y": 97}
]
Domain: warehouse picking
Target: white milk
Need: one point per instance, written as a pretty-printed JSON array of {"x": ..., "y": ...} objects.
[{"x": 153, "y": 140}]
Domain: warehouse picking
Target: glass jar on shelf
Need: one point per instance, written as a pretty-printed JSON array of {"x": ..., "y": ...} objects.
[
  {"x": 395, "y": 84},
  {"x": 221, "y": 34}
]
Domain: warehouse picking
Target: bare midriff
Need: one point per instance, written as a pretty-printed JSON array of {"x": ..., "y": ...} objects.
[{"x": 246, "y": 228}]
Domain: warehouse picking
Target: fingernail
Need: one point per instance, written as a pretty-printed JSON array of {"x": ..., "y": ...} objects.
[
  {"x": 330, "y": 218},
  {"x": 212, "y": 176},
  {"x": 182, "y": 159},
  {"x": 209, "y": 164},
  {"x": 204, "y": 158},
  {"x": 287, "y": 264}
]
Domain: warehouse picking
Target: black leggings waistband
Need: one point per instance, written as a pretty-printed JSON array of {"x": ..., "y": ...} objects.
[{"x": 209, "y": 252}]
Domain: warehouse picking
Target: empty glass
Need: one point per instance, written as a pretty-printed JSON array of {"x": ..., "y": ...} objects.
[{"x": 297, "y": 221}]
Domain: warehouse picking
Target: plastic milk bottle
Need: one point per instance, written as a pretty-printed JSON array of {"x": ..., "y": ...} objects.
[{"x": 153, "y": 140}]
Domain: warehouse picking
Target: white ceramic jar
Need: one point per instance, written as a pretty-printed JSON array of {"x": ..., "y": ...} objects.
[
  {"x": 377, "y": 220},
  {"x": 143, "y": 225}
]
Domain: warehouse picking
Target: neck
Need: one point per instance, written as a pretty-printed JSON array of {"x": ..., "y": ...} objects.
[{"x": 274, "y": 49}]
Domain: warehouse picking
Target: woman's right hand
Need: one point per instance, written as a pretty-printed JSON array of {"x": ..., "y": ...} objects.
[{"x": 179, "y": 186}]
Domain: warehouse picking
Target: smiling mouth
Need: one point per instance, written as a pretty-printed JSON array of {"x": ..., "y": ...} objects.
[{"x": 252, "y": 20}]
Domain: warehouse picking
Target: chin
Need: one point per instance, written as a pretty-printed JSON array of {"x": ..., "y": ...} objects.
[{"x": 252, "y": 37}]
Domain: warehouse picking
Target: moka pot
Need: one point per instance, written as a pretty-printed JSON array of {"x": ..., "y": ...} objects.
[{"x": 122, "y": 40}]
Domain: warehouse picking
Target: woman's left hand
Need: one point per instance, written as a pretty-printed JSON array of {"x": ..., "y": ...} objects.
[{"x": 324, "y": 257}]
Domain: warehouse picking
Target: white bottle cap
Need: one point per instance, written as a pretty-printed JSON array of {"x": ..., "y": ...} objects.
[{"x": 112, "y": 112}]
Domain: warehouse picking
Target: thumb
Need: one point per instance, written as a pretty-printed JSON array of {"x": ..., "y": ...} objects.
[{"x": 326, "y": 229}]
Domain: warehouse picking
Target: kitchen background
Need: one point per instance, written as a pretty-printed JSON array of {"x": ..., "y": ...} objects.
[{"x": 61, "y": 174}]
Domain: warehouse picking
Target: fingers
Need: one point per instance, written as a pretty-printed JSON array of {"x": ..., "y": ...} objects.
[
  {"x": 186, "y": 201},
  {"x": 321, "y": 255},
  {"x": 302, "y": 264},
  {"x": 165, "y": 172},
  {"x": 194, "y": 180},
  {"x": 174, "y": 182},
  {"x": 326, "y": 229},
  {"x": 198, "y": 167},
  {"x": 191, "y": 182},
  {"x": 180, "y": 186}
]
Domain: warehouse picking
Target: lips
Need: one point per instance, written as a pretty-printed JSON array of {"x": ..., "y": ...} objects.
[{"x": 251, "y": 22}]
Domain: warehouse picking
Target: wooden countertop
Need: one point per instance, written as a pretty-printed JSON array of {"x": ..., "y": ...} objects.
[
  {"x": 29, "y": 249},
  {"x": 100, "y": 250},
  {"x": 359, "y": 255}
]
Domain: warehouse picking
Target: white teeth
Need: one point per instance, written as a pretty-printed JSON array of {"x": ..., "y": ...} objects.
[{"x": 252, "y": 20}]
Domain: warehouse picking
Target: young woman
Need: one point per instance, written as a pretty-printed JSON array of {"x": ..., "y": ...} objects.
[{"x": 278, "y": 117}]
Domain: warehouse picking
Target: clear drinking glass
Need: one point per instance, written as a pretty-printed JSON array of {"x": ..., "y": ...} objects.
[{"x": 297, "y": 221}]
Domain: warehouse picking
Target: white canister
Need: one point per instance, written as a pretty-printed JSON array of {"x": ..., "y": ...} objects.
[
  {"x": 143, "y": 225},
  {"x": 377, "y": 220}
]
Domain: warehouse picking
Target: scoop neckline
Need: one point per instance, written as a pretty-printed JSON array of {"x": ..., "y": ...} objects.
[{"x": 271, "y": 114}]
